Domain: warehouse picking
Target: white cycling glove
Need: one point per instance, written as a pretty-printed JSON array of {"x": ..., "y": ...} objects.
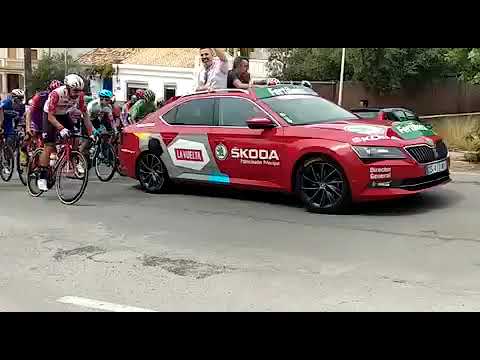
[{"x": 64, "y": 133}]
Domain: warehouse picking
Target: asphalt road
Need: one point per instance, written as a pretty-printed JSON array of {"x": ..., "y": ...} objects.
[{"x": 200, "y": 249}]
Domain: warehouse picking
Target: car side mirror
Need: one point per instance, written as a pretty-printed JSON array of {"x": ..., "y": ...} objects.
[{"x": 260, "y": 123}]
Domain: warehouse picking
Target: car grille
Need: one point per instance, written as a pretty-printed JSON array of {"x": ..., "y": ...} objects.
[
  {"x": 422, "y": 183},
  {"x": 426, "y": 154}
]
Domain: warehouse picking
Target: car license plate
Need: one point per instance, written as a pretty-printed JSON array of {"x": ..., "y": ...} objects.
[{"x": 437, "y": 167}]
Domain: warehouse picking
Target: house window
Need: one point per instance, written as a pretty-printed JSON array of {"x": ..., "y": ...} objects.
[
  {"x": 170, "y": 90},
  {"x": 13, "y": 82},
  {"x": 34, "y": 54},
  {"x": 12, "y": 53},
  {"x": 132, "y": 87}
]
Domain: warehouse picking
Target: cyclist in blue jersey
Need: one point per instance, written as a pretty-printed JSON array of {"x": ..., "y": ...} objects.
[{"x": 12, "y": 110}]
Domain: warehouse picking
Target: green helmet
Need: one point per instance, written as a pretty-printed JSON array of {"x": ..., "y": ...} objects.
[
  {"x": 149, "y": 96},
  {"x": 88, "y": 99}
]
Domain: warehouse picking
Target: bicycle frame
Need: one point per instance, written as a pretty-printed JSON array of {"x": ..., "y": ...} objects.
[{"x": 67, "y": 146}]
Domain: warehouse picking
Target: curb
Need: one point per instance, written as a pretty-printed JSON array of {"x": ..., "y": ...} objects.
[{"x": 464, "y": 173}]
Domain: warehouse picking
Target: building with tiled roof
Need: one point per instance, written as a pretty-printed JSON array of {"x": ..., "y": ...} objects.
[
  {"x": 105, "y": 56},
  {"x": 167, "y": 57}
]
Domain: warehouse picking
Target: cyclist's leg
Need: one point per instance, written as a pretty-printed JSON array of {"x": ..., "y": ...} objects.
[
  {"x": 68, "y": 123},
  {"x": 49, "y": 137},
  {"x": 87, "y": 144}
]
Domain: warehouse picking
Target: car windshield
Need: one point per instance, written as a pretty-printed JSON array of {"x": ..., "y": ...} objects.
[{"x": 307, "y": 110}]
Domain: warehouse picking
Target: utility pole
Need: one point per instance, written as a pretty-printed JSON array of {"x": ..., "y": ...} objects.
[
  {"x": 342, "y": 74},
  {"x": 66, "y": 61},
  {"x": 27, "y": 65}
]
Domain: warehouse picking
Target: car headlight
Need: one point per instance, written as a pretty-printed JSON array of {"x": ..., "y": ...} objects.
[{"x": 377, "y": 152}]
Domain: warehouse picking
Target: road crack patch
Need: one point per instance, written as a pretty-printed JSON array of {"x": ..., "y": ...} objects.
[
  {"x": 185, "y": 267},
  {"x": 85, "y": 250}
]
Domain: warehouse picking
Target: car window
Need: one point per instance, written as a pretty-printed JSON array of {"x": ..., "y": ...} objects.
[
  {"x": 411, "y": 116},
  {"x": 391, "y": 116},
  {"x": 195, "y": 112},
  {"x": 170, "y": 116},
  {"x": 400, "y": 115},
  {"x": 306, "y": 110},
  {"x": 236, "y": 112},
  {"x": 367, "y": 114}
]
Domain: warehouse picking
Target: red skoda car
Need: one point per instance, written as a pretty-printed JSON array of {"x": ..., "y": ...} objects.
[{"x": 283, "y": 138}]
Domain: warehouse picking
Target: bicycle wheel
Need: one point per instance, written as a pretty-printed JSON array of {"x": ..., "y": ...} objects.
[
  {"x": 105, "y": 162},
  {"x": 22, "y": 169},
  {"x": 33, "y": 174},
  {"x": 71, "y": 183},
  {"x": 7, "y": 160}
]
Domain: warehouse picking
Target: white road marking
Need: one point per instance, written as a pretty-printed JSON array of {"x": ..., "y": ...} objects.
[{"x": 100, "y": 305}]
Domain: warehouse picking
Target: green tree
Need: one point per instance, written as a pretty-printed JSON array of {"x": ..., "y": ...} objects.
[
  {"x": 466, "y": 62},
  {"x": 51, "y": 68},
  {"x": 386, "y": 69},
  {"x": 380, "y": 69},
  {"x": 321, "y": 64}
]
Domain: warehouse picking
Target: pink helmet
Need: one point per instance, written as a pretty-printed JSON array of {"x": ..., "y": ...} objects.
[
  {"x": 273, "y": 82},
  {"x": 55, "y": 84},
  {"x": 140, "y": 94}
]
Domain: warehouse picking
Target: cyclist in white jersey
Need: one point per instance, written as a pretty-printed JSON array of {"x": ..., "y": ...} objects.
[{"x": 56, "y": 118}]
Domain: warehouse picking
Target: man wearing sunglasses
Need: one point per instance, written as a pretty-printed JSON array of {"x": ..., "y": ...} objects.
[
  {"x": 100, "y": 110},
  {"x": 56, "y": 119},
  {"x": 215, "y": 70}
]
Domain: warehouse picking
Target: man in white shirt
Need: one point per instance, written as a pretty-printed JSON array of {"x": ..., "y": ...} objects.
[{"x": 215, "y": 71}]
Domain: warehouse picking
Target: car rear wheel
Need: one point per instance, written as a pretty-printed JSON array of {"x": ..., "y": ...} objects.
[
  {"x": 322, "y": 186},
  {"x": 152, "y": 173}
]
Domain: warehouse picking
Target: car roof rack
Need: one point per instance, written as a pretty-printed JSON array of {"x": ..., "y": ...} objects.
[
  {"x": 291, "y": 82},
  {"x": 218, "y": 91}
]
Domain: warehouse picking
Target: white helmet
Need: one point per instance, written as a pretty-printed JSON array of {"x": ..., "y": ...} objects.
[
  {"x": 307, "y": 84},
  {"x": 18, "y": 93},
  {"x": 74, "y": 81}
]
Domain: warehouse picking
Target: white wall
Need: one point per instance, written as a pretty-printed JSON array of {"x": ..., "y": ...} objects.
[
  {"x": 3, "y": 52},
  {"x": 155, "y": 76}
]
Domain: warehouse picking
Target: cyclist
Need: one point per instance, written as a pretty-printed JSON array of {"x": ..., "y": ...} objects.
[
  {"x": 34, "y": 118},
  {"x": 12, "y": 109},
  {"x": 59, "y": 102},
  {"x": 128, "y": 105},
  {"x": 144, "y": 106},
  {"x": 117, "y": 117},
  {"x": 100, "y": 111}
]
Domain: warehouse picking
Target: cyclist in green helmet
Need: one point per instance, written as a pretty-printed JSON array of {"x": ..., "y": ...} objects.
[{"x": 143, "y": 107}]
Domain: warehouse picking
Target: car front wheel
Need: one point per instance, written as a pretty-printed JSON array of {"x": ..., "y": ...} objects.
[
  {"x": 152, "y": 174},
  {"x": 322, "y": 186}
]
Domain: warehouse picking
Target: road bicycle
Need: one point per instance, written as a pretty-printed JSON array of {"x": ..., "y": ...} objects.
[
  {"x": 7, "y": 159},
  {"x": 69, "y": 170},
  {"x": 25, "y": 146},
  {"x": 105, "y": 158}
]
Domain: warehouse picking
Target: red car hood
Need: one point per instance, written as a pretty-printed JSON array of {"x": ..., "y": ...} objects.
[{"x": 372, "y": 132}]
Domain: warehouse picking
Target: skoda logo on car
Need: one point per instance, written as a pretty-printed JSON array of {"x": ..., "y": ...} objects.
[{"x": 221, "y": 152}]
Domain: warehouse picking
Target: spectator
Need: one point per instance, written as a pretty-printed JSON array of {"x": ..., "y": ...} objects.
[
  {"x": 215, "y": 70},
  {"x": 239, "y": 77},
  {"x": 364, "y": 103}
]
